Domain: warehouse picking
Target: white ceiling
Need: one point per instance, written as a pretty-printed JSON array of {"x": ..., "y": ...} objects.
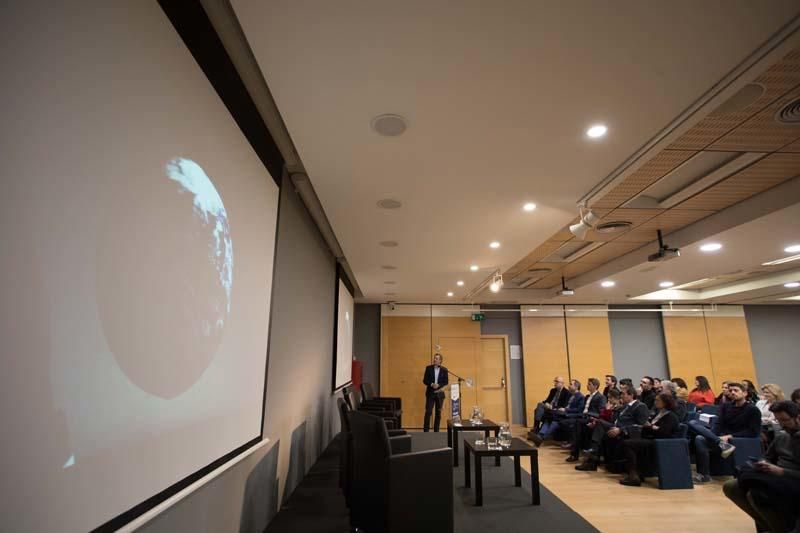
[{"x": 497, "y": 96}]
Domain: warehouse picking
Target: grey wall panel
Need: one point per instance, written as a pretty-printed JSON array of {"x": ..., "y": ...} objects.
[
  {"x": 300, "y": 411},
  {"x": 508, "y": 323},
  {"x": 637, "y": 344},
  {"x": 367, "y": 342},
  {"x": 775, "y": 340}
]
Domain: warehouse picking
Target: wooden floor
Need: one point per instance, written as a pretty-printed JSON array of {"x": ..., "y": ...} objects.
[{"x": 611, "y": 507}]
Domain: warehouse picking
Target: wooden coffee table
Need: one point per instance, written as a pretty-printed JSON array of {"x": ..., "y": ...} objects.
[
  {"x": 517, "y": 449},
  {"x": 465, "y": 425}
]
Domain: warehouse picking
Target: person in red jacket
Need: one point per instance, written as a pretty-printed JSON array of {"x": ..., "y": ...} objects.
[{"x": 702, "y": 394}]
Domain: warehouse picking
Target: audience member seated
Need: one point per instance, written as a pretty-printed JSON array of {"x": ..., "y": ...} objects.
[
  {"x": 583, "y": 430},
  {"x": 639, "y": 451},
  {"x": 769, "y": 490},
  {"x": 611, "y": 383},
  {"x": 610, "y": 436},
  {"x": 683, "y": 389},
  {"x": 557, "y": 397},
  {"x": 796, "y": 396},
  {"x": 657, "y": 385},
  {"x": 573, "y": 409},
  {"x": 737, "y": 418},
  {"x": 626, "y": 382},
  {"x": 594, "y": 402},
  {"x": 772, "y": 394},
  {"x": 751, "y": 392},
  {"x": 680, "y": 409},
  {"x": 723, "y": 395},
  {"x": 648, "y": 393},
  {"x": 701, "y": 394}
]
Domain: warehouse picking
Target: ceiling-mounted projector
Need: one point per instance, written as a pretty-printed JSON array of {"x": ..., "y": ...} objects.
[
  {"x": 565, "y": 291},
  {"x": 664, "y": 253}
]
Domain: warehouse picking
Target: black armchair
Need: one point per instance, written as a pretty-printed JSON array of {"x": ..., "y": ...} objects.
[
  {"x": 391, "y": 416},
  {"x": 368, "y": 395},
  {"x": 387, "y": 479}
]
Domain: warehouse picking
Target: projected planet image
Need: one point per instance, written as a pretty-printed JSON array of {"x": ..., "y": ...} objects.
[{"x": 165, "y": 276}]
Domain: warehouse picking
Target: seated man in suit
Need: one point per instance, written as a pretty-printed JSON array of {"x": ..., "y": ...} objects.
[
  {"x": 769, "y": 490},
  {"x": 593, "y": 403},
  {"x": 574, "y": 408},
  {"x": 633, "y": 413},
  {"x": 582, "y": 437},
  {"x": 737, "y": 418},
  {"x": 648, "y": 394},
  {"x": 611, "y": 384},
  {"x": 557, "y": 397},
  {"x": 435, "y": 378}
]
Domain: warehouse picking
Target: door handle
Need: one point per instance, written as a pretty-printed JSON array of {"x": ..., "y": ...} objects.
[{"x": 503, "y": 382}]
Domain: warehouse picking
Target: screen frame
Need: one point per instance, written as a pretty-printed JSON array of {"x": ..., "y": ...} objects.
[
  {"x": 195, "y": 29},
  {"x": 340, "y": 276}
]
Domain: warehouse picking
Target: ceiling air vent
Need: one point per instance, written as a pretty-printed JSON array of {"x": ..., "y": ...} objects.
[
  {"x": 790, "y": 113},
  {"x": 615, "y": 226}
]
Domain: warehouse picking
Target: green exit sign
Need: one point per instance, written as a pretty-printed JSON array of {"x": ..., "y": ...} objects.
[{"x": 477, "y": 317}]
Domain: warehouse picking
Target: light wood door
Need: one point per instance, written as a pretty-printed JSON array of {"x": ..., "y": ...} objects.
[
  {"x": 461, "y": 358},
  {"x": 492, "y": 376}
]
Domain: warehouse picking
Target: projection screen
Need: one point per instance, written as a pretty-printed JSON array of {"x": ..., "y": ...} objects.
[
  {"x": 138, "y": 232},
  {"x": 345, "y": 320}
]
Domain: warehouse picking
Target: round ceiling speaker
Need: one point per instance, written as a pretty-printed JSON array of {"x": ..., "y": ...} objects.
[
  {"x": 388, "y": 203},
  {"x": 790, "y": 113},
  {"x": 616, "y": 226},
  {"x": 389, "y": 125}
]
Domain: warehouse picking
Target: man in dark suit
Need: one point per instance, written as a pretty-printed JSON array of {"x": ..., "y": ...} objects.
[
  {"x": 594, "y": 402},
  {"x": 633, "y": 413},
  {"x": 648, "y": 394},
  {"x": 557, "y": 397},
  {"x": 611, "y": 383},
  {"x": 434, "y": 379}
]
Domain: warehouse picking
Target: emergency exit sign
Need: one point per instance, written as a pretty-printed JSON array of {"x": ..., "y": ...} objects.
[{"x": 477, "y": 317}]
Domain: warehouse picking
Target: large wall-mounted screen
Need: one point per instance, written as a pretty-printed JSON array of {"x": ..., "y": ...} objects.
[
  {"x": 345, "y": 320},
  {"x": 138, "y": 232}
]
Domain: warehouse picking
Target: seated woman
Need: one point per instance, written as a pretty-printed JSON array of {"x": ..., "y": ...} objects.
[
  {"x": 702, "y": 394},
  {"x": 638, "y": 452},
  {"x": 771, "y": 394}
]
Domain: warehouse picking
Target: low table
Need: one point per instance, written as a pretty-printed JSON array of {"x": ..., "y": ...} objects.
[
  {"x": 465, "y": 425},
  {"x": 517, "y": 449}
]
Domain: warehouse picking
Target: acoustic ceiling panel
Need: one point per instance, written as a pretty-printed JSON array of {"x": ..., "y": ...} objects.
[
  {"x": 642, "y": 178},
  {"x": 763, "y": 132},
  {"x": 765, "y": 174},
  {"x": 775, "y": 82},
  {"x": 540, "y": 252}
]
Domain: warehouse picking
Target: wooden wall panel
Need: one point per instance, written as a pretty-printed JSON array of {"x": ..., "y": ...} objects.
[
  {"x": 731, "y": 355},
  {"x": 687, "y": 348},
  {"x": 544, "y": 345},
  {"x": 589, "y": 347},
  {"x": 405, "y": 352}
]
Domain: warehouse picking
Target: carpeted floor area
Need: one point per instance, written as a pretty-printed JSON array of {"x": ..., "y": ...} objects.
[{"x": 317, "y": 506}]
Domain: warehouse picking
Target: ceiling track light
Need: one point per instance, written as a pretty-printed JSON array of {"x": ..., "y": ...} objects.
[
  {"x": 587, "y": 221},
  {"x": 497, "y": 282}
]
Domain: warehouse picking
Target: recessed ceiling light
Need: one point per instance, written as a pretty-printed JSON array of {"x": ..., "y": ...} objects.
[
  {"x": 711, "y": 247},
  {"x": 666, "y": 284},
  {"x": 388, "y": 244},
  {"x": 474, "y": 268},
  {"x": 607, "y": 284},
  {"x": 793, "y": 249},
  {"x": 450, "y": 294},
  {"x": 533, "y": 310},
  {"x": 389, "y": 203},
  {"x": 792, "y": 284},
  {"x": 529, "y": 206},
  {"x": 494, "y": 244},
  {"x": 389, "y": 125},
  {"x": 596, "y": 131},
  {"x": 460, "y": 283}
]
